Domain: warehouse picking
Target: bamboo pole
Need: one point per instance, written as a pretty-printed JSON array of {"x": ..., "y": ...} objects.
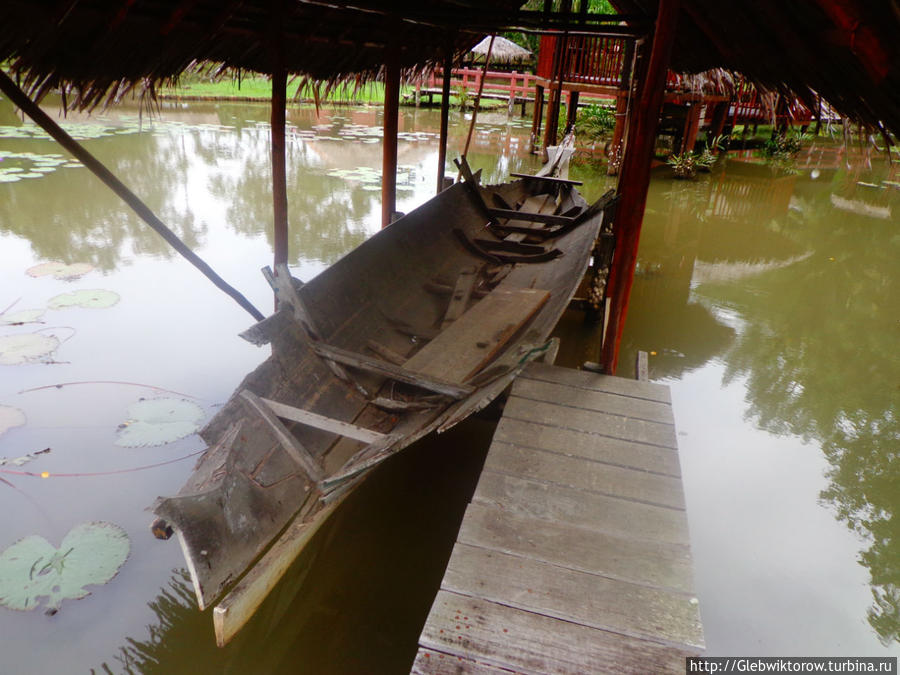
[
  {"x": 487, "y": 61},
  {"x": 389, "y": 142},
  {"x": 445, "y": 116},
  {"x": 634, "y": 180},
  {"x": 30, "y": 108}
]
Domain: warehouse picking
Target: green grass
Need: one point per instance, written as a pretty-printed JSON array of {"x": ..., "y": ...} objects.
[{"x": 257, "y": 87}]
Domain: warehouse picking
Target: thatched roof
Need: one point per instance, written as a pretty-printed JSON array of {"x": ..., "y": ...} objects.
[
  {"x": 503, "y": 51},
  {"x": 848, "y": 51},
  {"x": 97, "y": 45}
]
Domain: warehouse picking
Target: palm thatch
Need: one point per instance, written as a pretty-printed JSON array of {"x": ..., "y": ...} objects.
[
  {"x": 99, "y": 49},
  {"x": 847, "y": 51},
  {"x": 503, "y": 51}
]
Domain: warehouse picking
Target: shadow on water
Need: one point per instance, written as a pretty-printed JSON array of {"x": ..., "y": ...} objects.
[{"x": 382, "y": 554}]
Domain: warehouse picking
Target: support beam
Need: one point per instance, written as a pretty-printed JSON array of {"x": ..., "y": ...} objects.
[
  {"x": 445, "y": 117},
  {"x": 538, "y": 118},
  {"x": 279, "y": 168},
  {"x": 30, "y": 108},
  {"x": 634, "y": 179},
  {"x": 389, "y": 141}
]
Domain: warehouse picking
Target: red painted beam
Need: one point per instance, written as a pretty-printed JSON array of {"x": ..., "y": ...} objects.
[{"x": 634, "y": 179}]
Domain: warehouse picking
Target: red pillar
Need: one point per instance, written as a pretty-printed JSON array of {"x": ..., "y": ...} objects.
[
  {"x": 634, "y": 180},
  {"x": 389, "y": 142}
]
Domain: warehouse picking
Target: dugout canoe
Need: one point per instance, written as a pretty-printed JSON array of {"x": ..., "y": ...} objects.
[{"x": 420, "y": 326}]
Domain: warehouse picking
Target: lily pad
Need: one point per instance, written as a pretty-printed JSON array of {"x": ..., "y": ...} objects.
[
  {"x": 157, "y": 421},
  {"x": 16, "y": 349},
  {"x": 33, "y": 573},
  {"x": 22, "y": 316},
  {"x": 10, "y": 417},
  {"x": 96, "y": 298},
  {"x": 60, "y": 270}
]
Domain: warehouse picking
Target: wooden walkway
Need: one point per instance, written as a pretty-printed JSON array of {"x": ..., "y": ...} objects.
[{"x": 573, "y": 556}]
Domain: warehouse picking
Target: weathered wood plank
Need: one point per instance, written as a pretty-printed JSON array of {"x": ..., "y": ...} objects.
[
  {"x": 459, "y": 298},
  {"x": 642, "y": 367},
  {"x": 588, "y": 599},
  {"x": 584, "y": 474},
  {"x": 532, "y": 643},
  {"x": 533, "y": 217},
  {"x": 649, "y": 563},
  {"x": 613, "y": 385},
  {"x": 590, "y": 399},
  {"x": 316, "y": 421},
  {"x": 470, "y": 342},
  {"x": 549, "y": 179},
  {"x": 236, "y": 608},
  {"x": 288, "y": 441},
  {"x": 431, "y": 662},
  {"x": 589, "y": 510},
  {"x": 628, "y": 429},
  {"x": 366, "y": 363},
  {"x": 386, "y": 353},
  {"x": 588, "y": 445}
]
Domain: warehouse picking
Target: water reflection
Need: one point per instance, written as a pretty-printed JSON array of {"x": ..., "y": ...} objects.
[{"x": 797, "y": 296}]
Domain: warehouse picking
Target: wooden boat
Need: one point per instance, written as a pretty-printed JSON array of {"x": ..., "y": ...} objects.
[{"x": 423, "y": 324}]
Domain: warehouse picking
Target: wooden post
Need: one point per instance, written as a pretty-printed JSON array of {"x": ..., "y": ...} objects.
[
  {"x": 571, "y": 109},
  {"x": 622, "y": 98},
  {"x": 279, "y": 169},
  {"x": 562, "y": 53},
  {"x": 445, "y": 116},
  {"x": 538, "y": 120},
  {"x": 717, "y": 124},
  {"x": 634, "y": 179},
  {"x": 30, "y": 108},
  {"x": 691, "y": 127},
  {"x": 487, "y": 61},
  {"x": 389, "y": 141}
]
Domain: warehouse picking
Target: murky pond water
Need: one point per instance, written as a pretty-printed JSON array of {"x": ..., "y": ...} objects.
[{"x": 769, "y": 304}]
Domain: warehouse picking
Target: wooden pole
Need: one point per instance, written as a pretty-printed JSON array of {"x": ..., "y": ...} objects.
[
  {"x": 279, "y": 168},
  {"x": 389, "y": 142},
  {"x": 634, "y": 180},
  {"x": 445, "y": 116},
  {"x": 487, "y": 61},
  {"x": 30, "y": 108},
  {"x": 562, "y": 65}
]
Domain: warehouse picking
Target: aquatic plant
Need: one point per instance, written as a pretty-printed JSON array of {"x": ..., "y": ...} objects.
[
  {"x": 26, "y": 347},
  {"x": 684, "y": 165},
  {"x": 34, "y": 573},
  {"x": 157, "y": 421}
]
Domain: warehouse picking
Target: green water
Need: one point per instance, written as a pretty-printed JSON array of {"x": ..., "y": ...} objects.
[{"x": 771, "y": 310}]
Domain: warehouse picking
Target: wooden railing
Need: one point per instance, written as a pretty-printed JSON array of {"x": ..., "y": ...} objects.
[
  {"x": 588, "y": 60},
  {"x": 514, "y": 85}
]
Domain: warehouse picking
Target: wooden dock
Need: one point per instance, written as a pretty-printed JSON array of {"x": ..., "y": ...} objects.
[{"x": 573, "y": 556}]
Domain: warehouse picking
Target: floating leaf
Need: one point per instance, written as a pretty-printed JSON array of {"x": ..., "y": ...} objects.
[
  {"x": 93, "y": 299},
  {"x": 22, "y": 316},
  {"x": 32, "y": 570},
  {"x": 16, "y": 349},
  {"x": 10, "y": 417},
  {"x": 60, "y": 270},
  {"x": 156, "y": 421}
]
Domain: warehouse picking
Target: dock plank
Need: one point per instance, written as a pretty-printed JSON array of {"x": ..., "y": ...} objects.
[
  {"x": 588, "y": 599},
  {"x": 650, "y": 563},
  {"x": 431, "y": 662},
  {"x": 574, "y": 554},
  {"x": 607, "y": 383},
  {"x": 591, "y": 399},
  {"x": 587, "y": 510},
  {"x": 579, "y": 443},
  {"x": 532, "y": 643},
  {"x": 579, "y": 473},
  {"x": 616, "y": 426}
]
